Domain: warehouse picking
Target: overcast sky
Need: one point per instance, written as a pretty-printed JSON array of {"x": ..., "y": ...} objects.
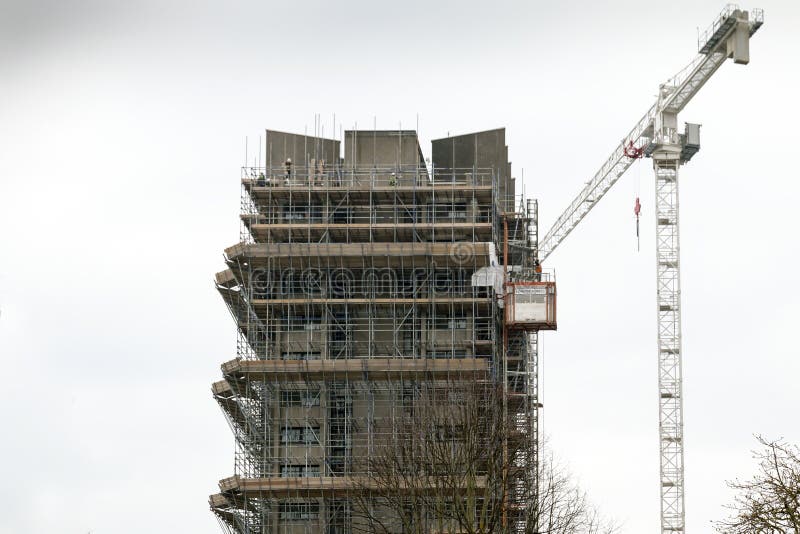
[{"x": 122, "y": 129}]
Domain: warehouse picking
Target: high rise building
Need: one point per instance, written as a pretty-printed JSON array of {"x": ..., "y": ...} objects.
[{"x": 363, "y": 275}]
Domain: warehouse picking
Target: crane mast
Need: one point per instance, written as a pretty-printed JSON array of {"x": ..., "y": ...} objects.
[
  {"x": 656, "y": 135},
  {"x": 666, "y": 162}
]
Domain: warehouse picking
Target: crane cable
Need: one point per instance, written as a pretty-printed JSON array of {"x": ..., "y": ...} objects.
[
  {"x": 635, "y": 153},
  {"x": 637, "y": 207}
]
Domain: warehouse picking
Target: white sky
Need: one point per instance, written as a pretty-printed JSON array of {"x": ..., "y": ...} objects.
[{"x": 122, "y": 128}]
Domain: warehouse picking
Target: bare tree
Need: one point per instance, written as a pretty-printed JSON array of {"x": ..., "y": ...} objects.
[
  {"x": 459, "y": 459},
  {"x": 563, "y": 507},
  {"x": 769, "y": 503}
]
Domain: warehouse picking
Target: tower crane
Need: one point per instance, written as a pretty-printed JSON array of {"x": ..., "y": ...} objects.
[{"x": 656, "y": 136}]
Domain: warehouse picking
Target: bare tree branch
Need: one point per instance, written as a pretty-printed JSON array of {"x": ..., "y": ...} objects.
[
  {"x": 769, "y": 503},
  {"x": 460, "y": 461}
]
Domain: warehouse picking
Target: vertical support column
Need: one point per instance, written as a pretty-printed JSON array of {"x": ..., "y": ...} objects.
[
  {"x": 533, "y": 407},
  {"x": 533, "y": 368},
  {"x": 506, "y": 264},
  {"x": 666, "y": 161}
]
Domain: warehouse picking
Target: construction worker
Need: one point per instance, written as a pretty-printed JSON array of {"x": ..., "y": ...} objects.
[
  {"x": 288, "y": 166},
  {"x": 319, "y": 172}
]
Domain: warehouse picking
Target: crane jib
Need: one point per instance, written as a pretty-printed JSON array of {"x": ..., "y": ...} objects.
[{"x": 727, "y": 37}]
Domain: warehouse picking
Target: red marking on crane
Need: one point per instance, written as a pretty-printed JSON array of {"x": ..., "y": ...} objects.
[{"x": 632, "y": 151}]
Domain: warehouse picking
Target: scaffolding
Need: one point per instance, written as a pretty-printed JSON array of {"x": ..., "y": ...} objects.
[{"x": 352, "y": 287}]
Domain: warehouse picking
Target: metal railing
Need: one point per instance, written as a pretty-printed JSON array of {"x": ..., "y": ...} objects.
[
  {"x": 722, "y": 20},
  {"x": 339, "y": 176}
]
